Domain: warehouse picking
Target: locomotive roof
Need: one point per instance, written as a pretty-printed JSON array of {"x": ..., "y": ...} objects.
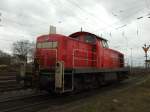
[{"x": 82, "y": 32}]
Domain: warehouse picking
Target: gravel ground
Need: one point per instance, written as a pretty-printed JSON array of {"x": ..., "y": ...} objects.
[{"x": 132, "y": 98}]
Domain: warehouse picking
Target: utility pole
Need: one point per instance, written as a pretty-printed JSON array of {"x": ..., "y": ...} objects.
[
  {"x": 146, "y": 48},
  {"x": 131, "y": 64}
]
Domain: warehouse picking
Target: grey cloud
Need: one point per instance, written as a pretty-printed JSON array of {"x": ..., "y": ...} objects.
[
  {"x": 31, "y": 18},
  {"x": 125, "y": 10}
]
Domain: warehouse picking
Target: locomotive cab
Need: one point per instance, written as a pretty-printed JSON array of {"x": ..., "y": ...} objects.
[{"x": 84, "y": 37}]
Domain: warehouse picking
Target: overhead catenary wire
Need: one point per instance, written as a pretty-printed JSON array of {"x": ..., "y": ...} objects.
[
  {"x": 89, "y": 13},
  {"x": 109, "y": 27},
  {"x": 85, "y": 10},
  {"x": 114, "y": 28},
  {"x": 82, "y": 19}
]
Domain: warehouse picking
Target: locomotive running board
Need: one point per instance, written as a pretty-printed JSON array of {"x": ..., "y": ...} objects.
[
  {"x": 60, "y": 79},
  {"x": 102, "y": 70}
]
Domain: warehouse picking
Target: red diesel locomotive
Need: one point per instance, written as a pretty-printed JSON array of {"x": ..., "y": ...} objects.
[{"x": 75, "y": 62}]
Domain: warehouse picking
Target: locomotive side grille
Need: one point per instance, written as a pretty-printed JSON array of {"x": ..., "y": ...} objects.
[{"x": 84, "y": 58}]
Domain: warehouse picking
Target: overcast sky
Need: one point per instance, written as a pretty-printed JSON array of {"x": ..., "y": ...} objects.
[{"x": 115, "y": 20}]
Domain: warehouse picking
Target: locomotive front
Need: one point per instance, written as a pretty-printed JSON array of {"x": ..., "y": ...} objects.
[
  {"x": 46, "y": 52},
  {"x": 46, "y": 58}
]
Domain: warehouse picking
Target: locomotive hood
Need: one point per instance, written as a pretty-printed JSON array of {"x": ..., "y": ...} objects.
[{"x": 49, "y": 36}]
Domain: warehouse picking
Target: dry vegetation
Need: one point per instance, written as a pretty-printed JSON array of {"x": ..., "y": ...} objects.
[{"x": 134, "y": 99}]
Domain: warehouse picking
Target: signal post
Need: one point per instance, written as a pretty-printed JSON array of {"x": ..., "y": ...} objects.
[{"x": 146, "y": 48}]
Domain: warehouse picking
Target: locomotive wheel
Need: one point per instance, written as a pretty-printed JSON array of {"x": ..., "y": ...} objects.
[
  {"x": 78, "y": 85},
  {"x": 101, "y": 80}
]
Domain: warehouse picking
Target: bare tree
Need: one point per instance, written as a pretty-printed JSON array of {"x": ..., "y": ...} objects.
[
  {"x": 22, "y": 49},
  {"x": 5, "y": 58},
  {"x": 31, "y": 52}
]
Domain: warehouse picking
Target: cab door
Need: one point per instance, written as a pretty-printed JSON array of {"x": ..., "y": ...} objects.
[{"x": 100, "y": 53}]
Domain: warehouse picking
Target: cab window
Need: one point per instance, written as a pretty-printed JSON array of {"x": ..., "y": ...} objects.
[
  {"x": 104, "y": 44},
  {"x": 90, "y": 39},
  {"x": 76, "y": 37}
]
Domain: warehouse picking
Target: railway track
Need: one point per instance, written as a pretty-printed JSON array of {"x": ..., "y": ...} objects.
[
  {"x": 23, "y": 103},
  {"x": 8, "y": 82},
  {"x": 34, "y": 103}
]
